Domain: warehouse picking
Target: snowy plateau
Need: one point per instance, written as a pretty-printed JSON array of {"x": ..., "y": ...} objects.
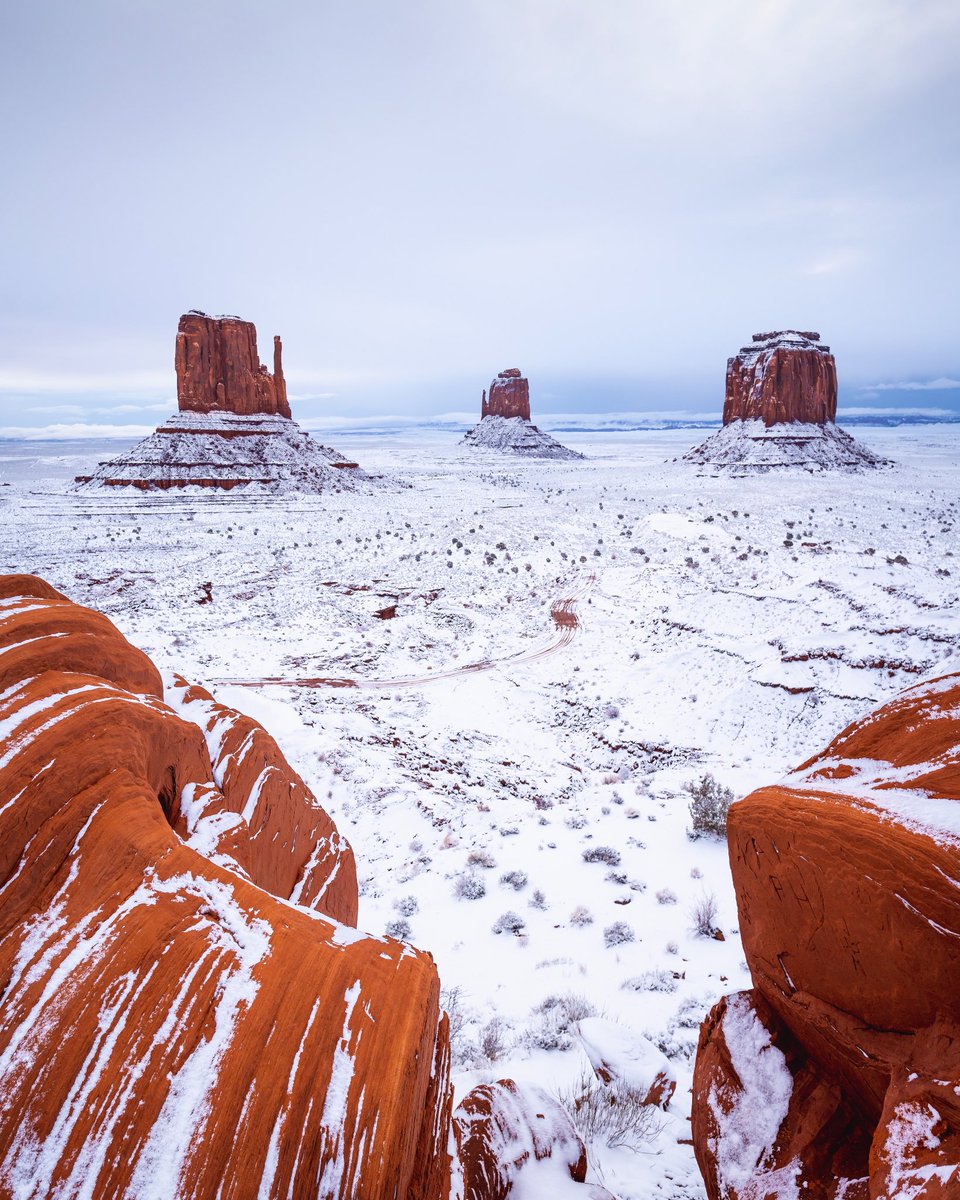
[{"x": 499, "y": 674}]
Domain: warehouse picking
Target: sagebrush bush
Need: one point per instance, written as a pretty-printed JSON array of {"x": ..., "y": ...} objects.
[
  {"x": 703, "y": 914},
  {"x": 581, "y": 916},
  {"x": 481, "y": 858},
  {"x": 602, "y": 854},
  {"x": 617, "y": 934},
  {"x": 665, "y": 896},
  {"x": 558, "y": 1014},
  {"x": 652, "y": 981},
  {"x": 508, "y": 922},
  {"x": 406, "y": 906},
  {"x": 399, "y": 929},
  {"x": 469, "y": 887},
  {"x": 515, "y": 879},
  {"x": 709, "y": 802},
  {"x": 614, "y": 1114},
  {"x": 538, "y": 900}
]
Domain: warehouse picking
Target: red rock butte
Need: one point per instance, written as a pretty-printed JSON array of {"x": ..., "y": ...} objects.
[
  {"x": 509, "y": 396},
  {"x": 782, "y": 377},
  {"x": 837, "y": 1077},
  {"x": 219, "y": 368}
]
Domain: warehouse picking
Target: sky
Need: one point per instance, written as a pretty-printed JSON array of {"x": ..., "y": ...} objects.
[{"x": 612, "y": 195}]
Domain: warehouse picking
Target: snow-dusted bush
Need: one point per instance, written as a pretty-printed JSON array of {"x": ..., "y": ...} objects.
[
  {"x": 538, "y": 900},
  {"x": 493, "y": 1039},
  {"x": 469, "y": 887},
  {"x": 652, "y": 981},
  {"x": 612, "y": 1115},
  {"x": 703, "y": 914},
  {"x": 709, "y": 802},
  {"x": 399, "y": 929},
  {"x": 481, "y": 858},
  {"x": 602, "y": 854},
  {"x": 665, "y": 896},
  {"x": 617, "y": 934},
  {"x": 581, "y": 916},
  {"x": 557, "y": 1014},
  {"x": 515, "y": 879},
  {"x": 508, "y": 922},
  {"x": 406, "y": 906}
]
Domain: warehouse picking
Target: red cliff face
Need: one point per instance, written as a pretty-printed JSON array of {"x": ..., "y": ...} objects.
[
  {"x": 170, "y": 1025},
  {"x": 849, "y": 1044},
  {"x": 219, "y": 368},
  {"x": 509, "y": 396},
  {"x": 782, "y": 377}
]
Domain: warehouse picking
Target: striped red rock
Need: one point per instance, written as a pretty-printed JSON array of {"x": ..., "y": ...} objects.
[
  {"x": 219, "y": 369},
  {"x": 782, "y": 377},
  {"x": 848, "y": 886},
  {"x": 170, "y": 1025},
  {"x": 509, "y": 396}
]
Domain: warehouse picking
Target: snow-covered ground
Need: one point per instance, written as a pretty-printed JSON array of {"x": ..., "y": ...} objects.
[{"x": 729, "y": 626}]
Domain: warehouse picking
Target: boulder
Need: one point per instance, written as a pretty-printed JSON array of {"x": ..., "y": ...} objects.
[
  {"x": 516, "y": 1136},
  {"x": 171, "y": 1023},
  {"x": 846, "y": 876},
  {"x": 219, "y": 368},
  {"x": 627, "y": 1059}
]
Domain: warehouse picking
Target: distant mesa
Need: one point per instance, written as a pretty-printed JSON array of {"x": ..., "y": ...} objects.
[
  {"x": 780, "y": 409},
  {"x": 505, "y": 422},
  {"x": 233, "y": 428}
]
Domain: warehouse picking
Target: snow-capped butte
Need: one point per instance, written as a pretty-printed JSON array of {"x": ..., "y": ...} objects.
[{"x": 514, "y": 435}]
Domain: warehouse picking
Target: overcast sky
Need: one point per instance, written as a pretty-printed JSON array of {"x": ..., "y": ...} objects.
[{"x": 610, "y": 194}]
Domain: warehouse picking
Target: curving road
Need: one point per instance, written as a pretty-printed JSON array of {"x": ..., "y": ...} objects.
[{"x": 562, "y": 612}]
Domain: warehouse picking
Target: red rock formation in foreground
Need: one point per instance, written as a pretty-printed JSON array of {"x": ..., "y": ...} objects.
[
  {"x": 782, "y": 377},
  {"x": 838, "y": 1076},
  {"x": 219, "y": 368},
  {"x": 170, "y": 1025},
  {"x": 509, "y": 396}
]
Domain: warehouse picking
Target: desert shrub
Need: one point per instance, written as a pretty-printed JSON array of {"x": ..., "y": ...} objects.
[
  {"x": 508, "y": 922},
  {"x": 538, "y": 900},
  {"x": 406, "y": 906},
  {"x": 515, "y": 879},
  {"x": 558, "y": 1014},
  {"x": 469, "y": 887},
  {"x": 481, "y": 858},
  {"x": 652, "y": 981},
  {"x": 709, "y": 802},
  {"x": 399, "y": 929},
  {"x": 493, "y": 1039},
  {"x": 613, "y": 1115},
  {"x": 602, "y": 854},
  {"x": 703, "y": 914},
  {"x": 617, "y": 934},
  {"x": 665, "y": 896},
  {"x": 616, "y": 877},
  {"x": 581, "y": 916}
]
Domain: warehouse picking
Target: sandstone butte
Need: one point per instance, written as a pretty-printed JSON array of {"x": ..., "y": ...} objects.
[
  {"x": 187, "y": 1009},
  {"x": 838, "y": 1076},
  {"x": 509, "y": 396},
  {"x": 219, "y": 368},
  {"x": 781, "y": 377}
]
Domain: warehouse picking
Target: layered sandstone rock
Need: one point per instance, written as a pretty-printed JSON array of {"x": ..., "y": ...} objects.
[
  {"x": 509, "y": 396},
  {"x": 838, "y": 1076},
  {"x": 779, "y": 410},
  {"x": 171, "y": 1025},
  {"x": 233, "y": 428},
  {"x": 219, "y": 368},
  {"x": 505, "y": 422},
  {"x": 782, "y": 377}
]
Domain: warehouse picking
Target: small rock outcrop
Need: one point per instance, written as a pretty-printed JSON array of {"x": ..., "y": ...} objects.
[
  {"x": 780, "y": 409},
  {"x": 233, "y": 427},
  {"x": 837, "y": 1076},
  {"x": 219, "y": 368},
  {"x": 505, "y": 422}
]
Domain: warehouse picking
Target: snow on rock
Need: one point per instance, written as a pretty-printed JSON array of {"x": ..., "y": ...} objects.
[
  {"x": 514, "y": 435},
  {"x": 618, "y": 1055},
  {"x": 169, "y": 1026},
  {"x": 516, "y": 1140},
  {"x": 848, "y": 886},
  {"x": 746, "y": 446}
]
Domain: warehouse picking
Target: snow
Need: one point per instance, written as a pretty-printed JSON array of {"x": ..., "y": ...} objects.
[
  {"x": 514, "y": 435},
  {"x": 751, "y": 446},
  {"x": 629, "y": 1058},
  {"x": 733, "y": 625}
]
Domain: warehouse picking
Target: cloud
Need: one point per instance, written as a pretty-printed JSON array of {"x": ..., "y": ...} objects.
[
  {"x": 913, "y": 385},
  {"x": 78, "y": 430}
]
